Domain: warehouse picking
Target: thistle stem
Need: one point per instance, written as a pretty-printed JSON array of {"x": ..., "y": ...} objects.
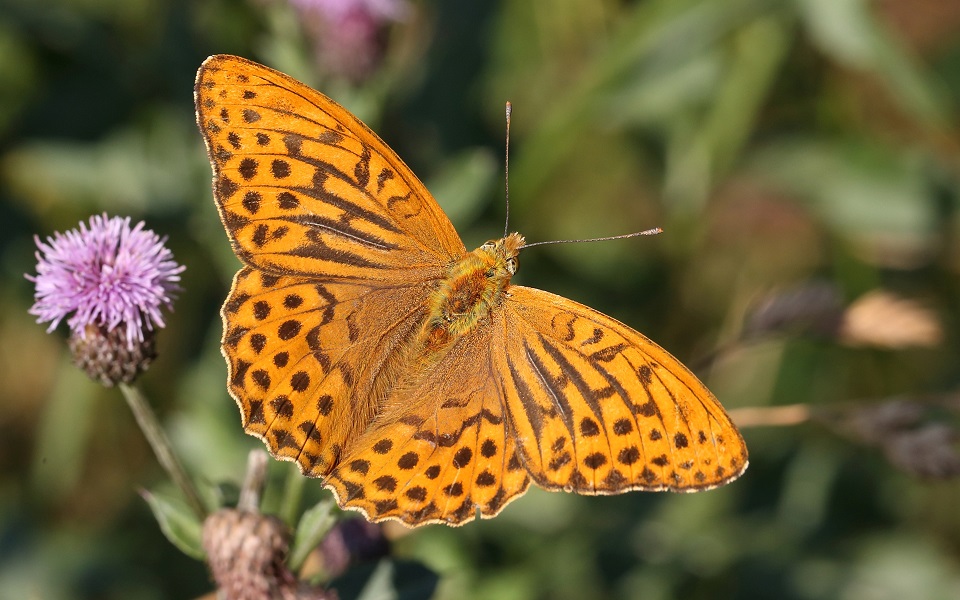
[{"x": 162, "y": 449}]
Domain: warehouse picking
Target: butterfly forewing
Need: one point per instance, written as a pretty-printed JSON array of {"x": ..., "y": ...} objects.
[
  {"x": 600, "y": 409},
  {"x": 304, "y": 188}
]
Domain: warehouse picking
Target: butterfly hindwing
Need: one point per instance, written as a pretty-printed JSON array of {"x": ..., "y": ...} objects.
[
  {"x": 304, "y": 188},
  {"x": 600, "y": 409},
  {"x": 303, "y": 357},
  {"x": 441, "y": 451}
]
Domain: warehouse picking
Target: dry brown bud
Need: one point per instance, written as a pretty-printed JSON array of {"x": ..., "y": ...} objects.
[
  {"x": 246, "y": 552},
  {"x": 107, "y": 357},
  {"x": 885, "y": 320}
]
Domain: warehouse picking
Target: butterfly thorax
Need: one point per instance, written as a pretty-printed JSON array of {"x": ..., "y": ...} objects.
[{"x": 474, "y": 285}]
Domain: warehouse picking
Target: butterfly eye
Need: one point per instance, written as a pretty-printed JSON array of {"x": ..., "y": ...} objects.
[
  {"x": 487, "y": 246},
  {"x": 512, "y": 264}
]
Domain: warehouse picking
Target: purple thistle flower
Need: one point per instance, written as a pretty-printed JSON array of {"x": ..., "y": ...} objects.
[
  {"x": 107, "y": 275},
  {"x": 337, "y": 10},
  {"x": 347, "y": 33}
]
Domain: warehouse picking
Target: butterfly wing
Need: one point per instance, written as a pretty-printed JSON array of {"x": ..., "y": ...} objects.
[
  {"x": 441, "y": 450},
  {"x": 597, "y": 408},
  {"x": 304, "y": 188},
  {"x": 342, "y": 243},
  {"x": 304, "y": 358}
]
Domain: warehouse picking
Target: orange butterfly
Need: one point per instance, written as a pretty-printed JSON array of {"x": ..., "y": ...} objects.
[{"x": 364, "y": 342}]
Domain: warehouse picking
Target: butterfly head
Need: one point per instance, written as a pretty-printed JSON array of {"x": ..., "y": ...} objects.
[{"x": 500, "y": 256}]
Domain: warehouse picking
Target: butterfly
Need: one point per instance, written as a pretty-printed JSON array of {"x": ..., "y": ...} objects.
[{"x": 364, "y": 341}]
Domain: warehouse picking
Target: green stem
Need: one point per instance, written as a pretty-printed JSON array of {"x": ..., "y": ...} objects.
[
  {"x": 147, "y": 420},
  {"x": 292, "y": 495}
]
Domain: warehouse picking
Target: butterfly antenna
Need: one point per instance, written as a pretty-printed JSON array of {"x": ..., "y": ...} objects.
[
  {"x": 506, "y": 173},
  {"x": 506, "y": 225},
  {"x": 653, "y": 231}
]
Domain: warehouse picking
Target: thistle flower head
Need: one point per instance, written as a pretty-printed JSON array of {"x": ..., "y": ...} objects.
[
  {"x": 347, "y": 33},
  {"x": 110, "y": 281},
  {"x": 246, "y": 552},
  {"x": 106, "y": 274},
  {"x": 337, "y": 10}
]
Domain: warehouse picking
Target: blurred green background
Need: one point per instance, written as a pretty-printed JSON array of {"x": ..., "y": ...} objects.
[{"x": 801, "y": 155}]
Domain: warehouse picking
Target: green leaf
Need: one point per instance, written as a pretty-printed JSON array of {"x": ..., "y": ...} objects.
[
  {"x": 848, "y": 32},
  {"x": 387, "y": 580},
  {"x": 863, "y": 190},
  {"x": 178, "y": 523},
  {"x": 380, "y": 584},
  {"x": 463, "y": 183},
  {"x": 147, "y": 164},
  {"x": 313, "y": 526}
]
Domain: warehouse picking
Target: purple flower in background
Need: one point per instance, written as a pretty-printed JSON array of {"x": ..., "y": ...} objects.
[
  {"x": 339, "y": 10},
  {"x": 107, "y": 275},
  {"x": 348, "y": 32}
]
